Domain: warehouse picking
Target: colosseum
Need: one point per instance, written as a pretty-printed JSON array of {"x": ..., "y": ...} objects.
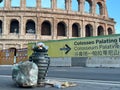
[{"x": 22, "y": 23}]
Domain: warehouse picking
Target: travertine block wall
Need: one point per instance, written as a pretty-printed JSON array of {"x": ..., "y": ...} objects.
[{"x": 21, "y": 25}]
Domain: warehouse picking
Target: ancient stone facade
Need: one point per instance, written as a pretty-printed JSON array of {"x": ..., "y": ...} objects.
[{"x": 21, "y": 23}]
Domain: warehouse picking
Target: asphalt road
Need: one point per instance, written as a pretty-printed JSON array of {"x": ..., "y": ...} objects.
[
  {"x": 105, "y": 74},
  {"x": 86, "y": 78}
]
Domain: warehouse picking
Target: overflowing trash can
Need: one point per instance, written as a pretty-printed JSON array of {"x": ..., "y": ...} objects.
[
  {"x": 32, "y": 73},
  {"x": 42, "y": 60}
]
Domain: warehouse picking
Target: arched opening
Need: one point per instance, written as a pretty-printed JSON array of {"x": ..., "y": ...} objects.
[
  {"x": 110, "y": 31},
  {"x": 46, "y": 28},
  {"x": 75, "y": 6},
  {"x": 99, "y": 8},
  {"x": 61, "y": 29},
  {"x": 31, "y": 4},
  {"x": 15, "y": 3},
  {"x": 2, "y": 2},
  {"x": 14, "y": 50},
  {"x": 100, "y": 31},
  {"x": 14, "y": 26},
  {"x": 0, "y": 27},
  {"x": 75, "y": 30},
  {"x": 88, "y": 6},
  {"x": 61, "y": 4},
  {"x": 30, "y": 27},
  {"x": 46, "y": 3},
  {"x": 89, "y": 30}
]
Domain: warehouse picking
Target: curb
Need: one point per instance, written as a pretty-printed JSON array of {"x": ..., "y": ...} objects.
[{"x": 6, "y": 65}]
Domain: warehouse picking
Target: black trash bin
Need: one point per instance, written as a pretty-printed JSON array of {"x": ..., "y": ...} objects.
[{"x": 41, "y": 58}]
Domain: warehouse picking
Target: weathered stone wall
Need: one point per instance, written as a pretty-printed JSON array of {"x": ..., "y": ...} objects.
[{"x": 46, "y": 23}]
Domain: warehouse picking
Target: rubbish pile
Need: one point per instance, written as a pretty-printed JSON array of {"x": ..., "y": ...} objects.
[
  {"x": 25, "y": 74},
  {"x": 60, "y": 84},
  {"x": 33, "y": 72}
]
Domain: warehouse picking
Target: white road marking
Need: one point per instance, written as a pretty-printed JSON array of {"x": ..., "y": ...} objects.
[
  {"x": 5, "y": 76},
  {"x": 83, "y": 81},
  {"x": 97, "y": 82}
]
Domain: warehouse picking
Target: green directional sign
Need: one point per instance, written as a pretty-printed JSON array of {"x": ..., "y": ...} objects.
[
  {"x": 85, "y": 47},
  {"x": 60, "y": 48}
]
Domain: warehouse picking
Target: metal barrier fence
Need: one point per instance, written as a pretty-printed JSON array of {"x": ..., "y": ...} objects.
[{"x": 11, "y": 56}]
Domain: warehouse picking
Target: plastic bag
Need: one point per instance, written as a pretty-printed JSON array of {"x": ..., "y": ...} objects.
[{"x": 25, "y": 74}]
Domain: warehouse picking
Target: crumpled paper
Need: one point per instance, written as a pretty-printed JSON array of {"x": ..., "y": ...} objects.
[{"x": 25, "y": 74}]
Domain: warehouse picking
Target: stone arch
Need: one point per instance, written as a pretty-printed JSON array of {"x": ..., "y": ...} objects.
[
  {"x": 110, "y": 31},
  {"x": 61, "y": 29},
  {"x": 46, "y": 3},
  {"x": 14, "y": 26},
  {"x": 1, "y": 27},
  {"x": 2, "y": 3},
  {"x": 31, "y": 3},
  {"x": 75, "y": 5},
  {"x": 88, "y": 6},
  {"x": 46, "y": 28},
  {"x": 99, "y": 8},
  {"x": 89, "y": 30},
  {"x": 14, "y": 50},
  {"x": 75, "y": 30},
  {"x": 100, "y": 30},
  {"x": 30, "y": 27},
  {"x": 15, "y": 4},
  {"x": 61, "y": 4}
]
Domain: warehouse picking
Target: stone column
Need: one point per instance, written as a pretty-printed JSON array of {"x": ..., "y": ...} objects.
[
  {"x": 83, "y": 29},
  {"x": 4, "y": 46},
  {"x": 113, "y": 29},
  {"x": 54, "y": 4},
  {"x": 22, "y": 29},
  {"x": 23, "y": 4},
  {"x": 40, "y": 20},
  {"x": 66, "y": 28},
  {"x": 38, "y": 4},
  {"x": 105, "y": 32},
  {"x": 79, "y": 28},
  {"x": 69, "y": 28},
  {"x": 81, "y": 6},
  {"x": 105, "y": 12},
  {"x": 95, "y": 29},
  {"x": 7, "y": 4},
  {"x": 68, "y": 5},
  {"x": 5, "y": 31},
  {"x": 37, "y": 28},
  {"x": 94, "y": 8},
  {"x": 54, "y": 28}
]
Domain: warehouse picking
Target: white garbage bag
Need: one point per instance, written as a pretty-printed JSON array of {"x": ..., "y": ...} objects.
[{"x": 25, "y": 74}]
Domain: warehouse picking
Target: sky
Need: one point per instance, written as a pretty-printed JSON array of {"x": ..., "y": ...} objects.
[{"x": 112, "y": 7}]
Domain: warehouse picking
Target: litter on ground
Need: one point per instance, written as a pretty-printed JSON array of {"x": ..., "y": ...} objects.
[{"x": 59, "y": 84}]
